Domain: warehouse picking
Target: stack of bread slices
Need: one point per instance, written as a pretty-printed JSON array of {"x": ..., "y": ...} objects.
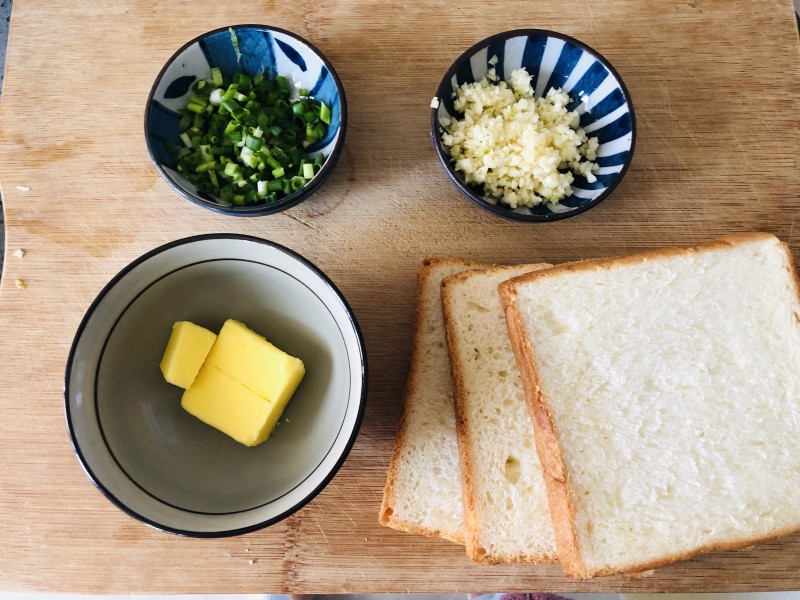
[{"x": 615, "y": 415}]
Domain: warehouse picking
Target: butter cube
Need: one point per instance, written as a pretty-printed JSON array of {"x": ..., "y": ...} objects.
[
  {"x": 255, "y": 363},
  {"x": 218, "y": 400},
  {"x": 187, "y": 348}
]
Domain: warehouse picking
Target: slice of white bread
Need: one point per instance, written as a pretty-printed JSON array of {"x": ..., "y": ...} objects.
[
  {"x": 423, "y": 485},
  {"x": 507, "y": 517},
  {"x": 665, "y": 388}
]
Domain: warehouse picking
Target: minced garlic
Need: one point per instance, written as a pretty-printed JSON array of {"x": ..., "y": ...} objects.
[{"x": 522, "y": 150}]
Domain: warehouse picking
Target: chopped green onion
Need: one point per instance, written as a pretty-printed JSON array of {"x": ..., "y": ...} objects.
[
  {"x": 235, "y": 42},
  {"x": 215, "y": 98},
  {"x": 243, "y": 139},
  {"x": 198, "y": 100},
  {"x": 324, "y": 113}
]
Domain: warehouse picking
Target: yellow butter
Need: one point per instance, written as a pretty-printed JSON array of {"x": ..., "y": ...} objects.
[
  {"x": 218, "y": 400},
  {"x": 187, "y": 348},
  {"x": 255, "y": 363}
]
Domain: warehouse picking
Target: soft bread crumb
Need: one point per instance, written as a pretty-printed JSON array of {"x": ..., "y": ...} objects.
[
  {"x": 508, "y": 519},
  {"x": 673, "y": 393}
]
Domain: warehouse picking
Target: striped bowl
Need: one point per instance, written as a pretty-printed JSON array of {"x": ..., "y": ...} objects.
[
  {"x": 553, "y": 60},
  {"x": 264, "y": 49}
]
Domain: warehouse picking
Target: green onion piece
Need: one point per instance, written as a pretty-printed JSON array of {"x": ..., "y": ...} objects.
[
  {"x": 216, "y": 76},
  {"x": 324, "y": 114},
  {"x": 279, "y": 172},
  {"x": 230, "y": 92},
  {"x": 215, "y": 98},
  {"x": 296, "y": 183},
  {"x": 249, "y": 158},
  {"x": 186, "y": 139},
  {"x": 205, "y": 167},
  {"x": 243, "y": 81},
  {"x": 231, "y": 169},
  {"x": 235, "y": 42},
  {"x": 226, "y": 193},
  {"x": 308, "y": 171},
  {"x": 253, "y": 142},
  {"x": 275, "y": 186},
  {"x": 231, "y": 127},
  {"x": 303, "y": 92},
  {"x": 213, "y": 178},
  {"x": 263, "y": 188}
]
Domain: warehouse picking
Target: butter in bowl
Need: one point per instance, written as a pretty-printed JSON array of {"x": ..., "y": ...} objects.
[{"x": 261, "y": 426}]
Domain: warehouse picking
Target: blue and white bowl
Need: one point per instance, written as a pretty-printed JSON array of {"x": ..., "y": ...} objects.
[
  {"x": 553, "y": 60},
  {"x": 263, "y": 49}
]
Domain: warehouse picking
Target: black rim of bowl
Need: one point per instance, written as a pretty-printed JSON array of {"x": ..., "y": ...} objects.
[
  {"x": 292, "y": 199},
  {"x": 464, "y": 188},
  {"x": 328, "y": 476}
]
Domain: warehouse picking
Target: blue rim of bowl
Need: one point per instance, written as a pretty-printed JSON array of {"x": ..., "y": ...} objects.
[
  {"x": 256, "y": 210},
  {"x": 465, "y": 189},
  {"x": 328, "y": 477}
]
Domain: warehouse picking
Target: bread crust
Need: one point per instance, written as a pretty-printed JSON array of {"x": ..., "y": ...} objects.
[
  {"x": 386, "y": 516},
  {"x": 463, "y": 435},
  {"x": 560, "y": 495}
]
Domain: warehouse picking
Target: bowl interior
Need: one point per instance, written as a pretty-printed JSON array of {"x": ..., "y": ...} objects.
[
  {"x": 553, "y": 60},
  {"x": 268, "y": 50},
  {"x": 166, "y": 466}
]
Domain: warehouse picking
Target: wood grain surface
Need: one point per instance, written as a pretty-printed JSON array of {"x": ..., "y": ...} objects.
[{"x": 716, "y": 85}]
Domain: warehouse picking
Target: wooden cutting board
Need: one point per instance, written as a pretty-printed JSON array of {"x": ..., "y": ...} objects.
[{"x": 716, "y": 86}]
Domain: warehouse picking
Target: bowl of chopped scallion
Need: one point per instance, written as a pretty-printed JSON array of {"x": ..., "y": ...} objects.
[{"x": 246, "y": 120}]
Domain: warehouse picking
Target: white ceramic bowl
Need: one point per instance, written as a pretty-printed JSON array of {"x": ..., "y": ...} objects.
[{"x": 165, "y": 467}]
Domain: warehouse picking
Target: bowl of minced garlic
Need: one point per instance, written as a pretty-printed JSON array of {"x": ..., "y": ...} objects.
[{"x": 533, "y": 125}]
